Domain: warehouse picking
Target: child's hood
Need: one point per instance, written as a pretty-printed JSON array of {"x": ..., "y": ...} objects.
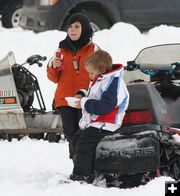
[{"x": 116, "y": 72}]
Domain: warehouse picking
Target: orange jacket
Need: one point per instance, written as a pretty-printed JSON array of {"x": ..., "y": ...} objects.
[{"x": 69, "y": 80}]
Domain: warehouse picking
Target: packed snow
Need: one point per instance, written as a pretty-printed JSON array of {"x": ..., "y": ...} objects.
[{"x": 30, "y": 167}]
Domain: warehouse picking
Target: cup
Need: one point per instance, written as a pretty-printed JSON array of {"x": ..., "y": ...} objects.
[{"x": 60, "y": 56}]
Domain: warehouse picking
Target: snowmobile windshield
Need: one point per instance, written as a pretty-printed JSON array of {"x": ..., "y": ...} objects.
[{"x": 160, "y": 57}]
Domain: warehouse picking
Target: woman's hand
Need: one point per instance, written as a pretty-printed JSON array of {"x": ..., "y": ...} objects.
[{"x": 56, "y": 63}]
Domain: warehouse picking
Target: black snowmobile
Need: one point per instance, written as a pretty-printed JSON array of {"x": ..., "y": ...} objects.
[{"x": 147, "y": 145}]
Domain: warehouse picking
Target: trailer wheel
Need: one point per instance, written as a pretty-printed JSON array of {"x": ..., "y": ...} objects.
[
  {"x": 37, "y": 136},
  {"x": 11, "y": 14},
  {"x": 53, "y": 137},
  {"x": 14, "y": 136}
]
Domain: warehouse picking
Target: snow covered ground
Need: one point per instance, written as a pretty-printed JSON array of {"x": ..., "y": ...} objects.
[
  {"x": 30, "y": 167},
  {"x": 35, "y": 168}
]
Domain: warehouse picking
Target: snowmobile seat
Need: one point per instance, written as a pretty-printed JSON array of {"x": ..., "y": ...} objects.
[{"x": 145, "y": 105}]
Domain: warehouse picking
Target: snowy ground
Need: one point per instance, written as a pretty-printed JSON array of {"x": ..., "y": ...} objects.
[
  {"x": 35, "y": 167},
  {"x": 30, "y": 167}
]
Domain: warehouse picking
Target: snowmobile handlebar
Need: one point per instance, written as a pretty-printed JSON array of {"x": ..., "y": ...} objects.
[
  {"x": 35, "y": 59},
  {"x": 132, "y": 65},
  {"x": 153, "y": 69}
]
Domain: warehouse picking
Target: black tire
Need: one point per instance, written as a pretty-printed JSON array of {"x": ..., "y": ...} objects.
[
  {"x": 37, "y": 136},
  {"x": 98, "y": 21},
  {"x": 14, "y": 136},
  {"x": 11, "y": 13}
]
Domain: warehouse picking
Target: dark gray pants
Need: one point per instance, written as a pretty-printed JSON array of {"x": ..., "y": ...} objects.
[
  {"x": 86, "y": 150},
  {"x": 70, "y": 120}
]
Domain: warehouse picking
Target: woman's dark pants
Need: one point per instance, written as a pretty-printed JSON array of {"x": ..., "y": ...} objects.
[{"x": 70, "y": 120}]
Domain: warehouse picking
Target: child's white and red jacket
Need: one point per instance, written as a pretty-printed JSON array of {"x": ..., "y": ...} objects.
[{"x": 106, "y": 102}]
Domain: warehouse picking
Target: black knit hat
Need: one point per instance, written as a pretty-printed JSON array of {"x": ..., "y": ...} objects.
[
  {"x": 85, "y": 23},
  {"x": 86, "y": 33}
]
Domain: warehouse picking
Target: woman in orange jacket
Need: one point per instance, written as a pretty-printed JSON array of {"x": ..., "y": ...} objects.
[{"x": 67, "y": 70}]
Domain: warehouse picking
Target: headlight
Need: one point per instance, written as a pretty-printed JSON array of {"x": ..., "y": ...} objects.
[{"x": 47, "y": 2}]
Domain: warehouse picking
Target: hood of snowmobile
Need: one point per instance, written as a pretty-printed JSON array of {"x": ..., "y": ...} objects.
[{"x": 11, "y": 112}]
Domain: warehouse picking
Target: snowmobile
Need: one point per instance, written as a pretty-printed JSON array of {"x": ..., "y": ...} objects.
[
  {"x": 18, "y": 90},
  {"x": 146, "y": 146}
]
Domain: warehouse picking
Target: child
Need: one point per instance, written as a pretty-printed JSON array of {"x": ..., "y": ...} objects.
[
  {"x": 103, "y": 110},
  {"x": 67, "y": 69}
]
